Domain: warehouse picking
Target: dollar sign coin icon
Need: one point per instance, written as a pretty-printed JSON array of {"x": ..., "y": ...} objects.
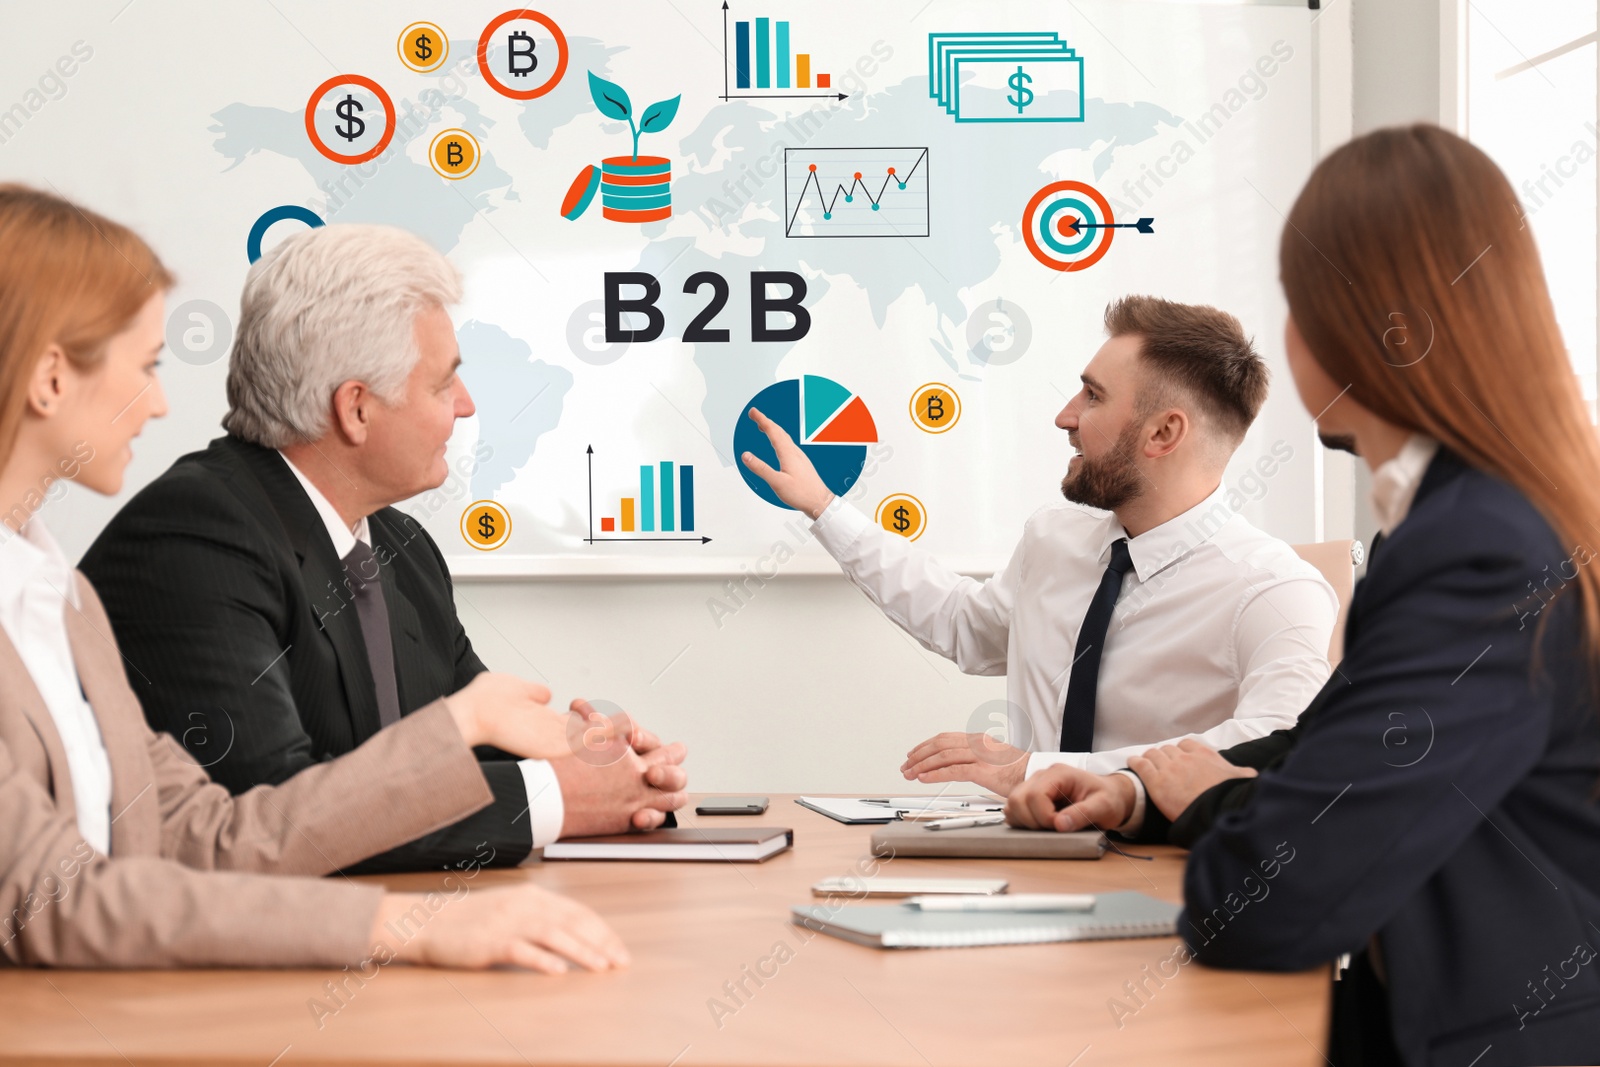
[
  {"x": 454, "y": 154},
  {"x": 353, "y": 125},
  {"x": 423, "y": 47},
  {"x": 1021, "y": 96},
  {"x": 903, "y": 514},
  {"x": 356, "y": 125},
  {"x": 935, "y": 407},
  {"x": 486, "y": 525}
]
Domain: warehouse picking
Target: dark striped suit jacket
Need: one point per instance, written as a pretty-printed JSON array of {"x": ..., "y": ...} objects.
[{"x": 241, "y": 638}]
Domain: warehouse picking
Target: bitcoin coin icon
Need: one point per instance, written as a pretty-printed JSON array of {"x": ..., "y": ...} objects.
[
  {"x": 423, "y": 47},
  {"x": 903, "y": 514},
  {"x": 522, "y": 54},
  {"x": 935, "y": 407},
  {"x": 519, "y": 50},
  {"x": 454, "y": 154},
  {"x": 486, "y": 525}
]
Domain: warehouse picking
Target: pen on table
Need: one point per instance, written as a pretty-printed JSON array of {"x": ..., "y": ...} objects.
[
  {"x": 915, "y": 802},
  {"x": 1009, "y": 902},
  {"x": 962, "y": 822},
  {"x": 927, "y": 815}
]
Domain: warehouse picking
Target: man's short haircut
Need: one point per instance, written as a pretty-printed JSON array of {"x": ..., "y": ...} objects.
[
  {"x": 335, "y": 304},
  {"x": 1198, "y": 350}
]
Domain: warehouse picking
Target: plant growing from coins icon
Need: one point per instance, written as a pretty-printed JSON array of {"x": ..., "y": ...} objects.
[{"x": 613, "y": 103}]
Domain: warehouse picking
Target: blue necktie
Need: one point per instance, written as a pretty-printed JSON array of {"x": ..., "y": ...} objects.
[{"x": 1077, "y": 716}]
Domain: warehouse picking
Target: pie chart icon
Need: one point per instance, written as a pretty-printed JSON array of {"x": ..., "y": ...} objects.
[{"x": 830, "y": 423}]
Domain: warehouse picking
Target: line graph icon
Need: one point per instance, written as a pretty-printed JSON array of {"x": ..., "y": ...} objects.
[{"x": 855, "y": 192}]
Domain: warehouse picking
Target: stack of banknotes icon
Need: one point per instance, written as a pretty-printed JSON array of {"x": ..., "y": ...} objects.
[{"x": 1005, "y": 77}]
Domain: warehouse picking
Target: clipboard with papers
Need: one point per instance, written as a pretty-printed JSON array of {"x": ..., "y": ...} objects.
[{"x": 861, "y": 811}]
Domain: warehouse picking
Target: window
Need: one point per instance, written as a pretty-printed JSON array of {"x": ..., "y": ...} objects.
[{"x": 1530, "y": 102}]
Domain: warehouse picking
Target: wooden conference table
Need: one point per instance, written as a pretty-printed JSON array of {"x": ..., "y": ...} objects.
[{"x": 691, "y": 928}]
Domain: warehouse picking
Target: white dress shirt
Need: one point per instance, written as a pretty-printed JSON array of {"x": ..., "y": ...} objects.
[
  {"x": 546, "y": 809},
  {"x": 1220, "y": 634},
  {"x": 1395, "y": 482},
  {"x": 1394, "y": 488},
  {"x": 37, "y": 589}
]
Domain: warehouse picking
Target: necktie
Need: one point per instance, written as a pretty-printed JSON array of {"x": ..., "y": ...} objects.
[
  {"x": 367, "y": 585},
  {"x": 1077, "y": 716}
]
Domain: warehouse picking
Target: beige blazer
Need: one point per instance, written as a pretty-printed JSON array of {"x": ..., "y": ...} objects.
[{"x": 195, "y": 876}]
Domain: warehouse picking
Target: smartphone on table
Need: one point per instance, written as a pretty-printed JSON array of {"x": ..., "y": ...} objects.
[{"x": 731, "y": 806}]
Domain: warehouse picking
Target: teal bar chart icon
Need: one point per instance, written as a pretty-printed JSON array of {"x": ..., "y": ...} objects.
[
  {"x": 661, "y": 507},
  {"x": 760, "y": 58}
]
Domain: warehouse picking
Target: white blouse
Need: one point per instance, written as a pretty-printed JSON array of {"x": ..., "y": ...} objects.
[{"x": 37, "y": 589}]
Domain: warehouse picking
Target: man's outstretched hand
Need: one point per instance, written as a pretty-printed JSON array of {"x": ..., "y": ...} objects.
[
  {"x": 796, "y": 482},
  {"x": 957, "y": 757}
]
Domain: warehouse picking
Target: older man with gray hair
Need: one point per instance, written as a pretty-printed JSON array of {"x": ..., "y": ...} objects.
[{"x": 276, "y": 610}]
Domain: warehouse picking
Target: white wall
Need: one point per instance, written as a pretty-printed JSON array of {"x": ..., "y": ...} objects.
[
  {"x": 1397, "y": 55},
  {"x": 807, "y": 688},
  {"x": 1396, "y": 52}
]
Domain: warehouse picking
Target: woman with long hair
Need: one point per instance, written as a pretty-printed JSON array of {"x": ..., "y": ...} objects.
[
  {"x": 1432, "y": 820},
  {"x": 116, "y": 849}
]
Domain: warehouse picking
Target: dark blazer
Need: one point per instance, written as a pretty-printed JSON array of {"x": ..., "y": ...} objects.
[
  {"x": 1434, "y": 811},
  {"x": 241, "y": 638}
]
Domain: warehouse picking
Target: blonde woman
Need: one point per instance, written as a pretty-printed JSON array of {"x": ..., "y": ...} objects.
[{"x": 116, "y": 849}]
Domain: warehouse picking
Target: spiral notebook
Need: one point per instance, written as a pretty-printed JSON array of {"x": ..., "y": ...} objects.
[
  {"x": 987, "y": 842},
  {"x": 1115, "y": 915}
]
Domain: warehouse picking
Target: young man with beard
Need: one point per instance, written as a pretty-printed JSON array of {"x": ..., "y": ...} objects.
[{"x": 1144, "y": 611}]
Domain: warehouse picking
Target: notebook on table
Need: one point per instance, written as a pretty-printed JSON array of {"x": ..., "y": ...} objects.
[
  {"x": 987, "y": 842},
  {"x": 747, "y": 844},
  {"x": 1115, "y": 915}
]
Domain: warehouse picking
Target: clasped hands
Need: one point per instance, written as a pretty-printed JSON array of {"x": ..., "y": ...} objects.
[
  {"x": 613, "y": 773},
  {"x": 1065, "y": 798}
]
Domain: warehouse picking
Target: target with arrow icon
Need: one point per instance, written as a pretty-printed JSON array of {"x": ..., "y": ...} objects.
[{"x": 1068, "y": 225}]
